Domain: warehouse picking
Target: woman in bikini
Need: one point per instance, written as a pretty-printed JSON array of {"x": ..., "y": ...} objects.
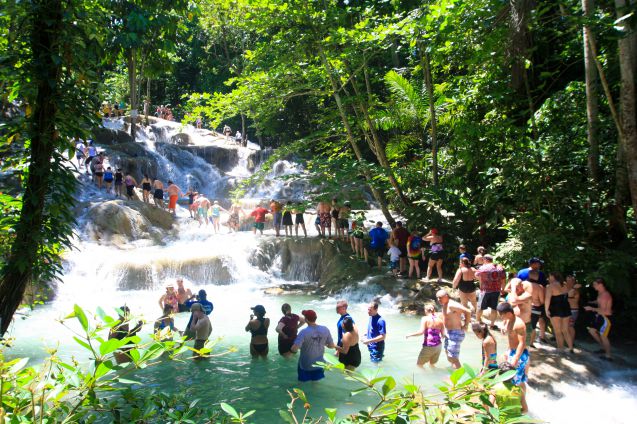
[
  {"x": 464, "y": 282},
  {"x": 489, "y": 347},
  {"x": 258, "y": 327},
  {"x": 432, "y": 330},
  {"x": 146, "y": 186}
]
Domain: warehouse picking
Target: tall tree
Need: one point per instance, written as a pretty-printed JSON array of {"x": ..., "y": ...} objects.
[{"x": 592, "y": 108}]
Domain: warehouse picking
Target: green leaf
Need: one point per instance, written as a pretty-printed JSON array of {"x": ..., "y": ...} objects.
[
  {"x": 228, "y": 409},
  {"x": 389, "y": 384},
  {"x": 81, "y": 316},
  {"x": 331, "y": 413},
  {"x": 286, "y": 416},
  {"x": 456, "y": 375}
]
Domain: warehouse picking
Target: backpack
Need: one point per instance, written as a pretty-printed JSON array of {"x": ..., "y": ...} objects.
[{"x": 415, "y": 243}]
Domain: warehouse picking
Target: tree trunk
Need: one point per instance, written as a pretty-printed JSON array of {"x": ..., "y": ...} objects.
[
  {"x": 617, "y": 222},
  {"x": 592, "y": 109},
  {"x": 147, "y": 101},
  {"x": 628, "y": 111},
  {"x": 426, "y": 69},
  {"x": 379, "y": 148},
  {"x": 132, "y": 85},
  {"x": 244, "y": 137},
  {"x": 18, "y": 269},
  {"x": 378, "y": 195}
]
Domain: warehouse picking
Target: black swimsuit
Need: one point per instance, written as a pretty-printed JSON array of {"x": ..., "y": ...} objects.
[
  {"x": 467, "y": 286},
  {"x": 146, "y": 186},
  {"x": 352, "y": 357},
  {"x": 261, "y": 331},
  {"x": 559, "y": 306}
]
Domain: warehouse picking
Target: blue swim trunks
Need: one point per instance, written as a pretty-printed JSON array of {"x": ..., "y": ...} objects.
[
  {"x": 453, "y": 341},
  {"x": 377, "y": 351},
  {"x": 520, "y": 375},
  {"x": 314, "y": 375}
]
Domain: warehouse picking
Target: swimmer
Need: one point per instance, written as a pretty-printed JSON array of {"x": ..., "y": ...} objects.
[{"x": 452, "y": 316}]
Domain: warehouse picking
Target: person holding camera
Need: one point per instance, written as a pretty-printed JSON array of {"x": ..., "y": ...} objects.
[{"x": 258, "y": 327}]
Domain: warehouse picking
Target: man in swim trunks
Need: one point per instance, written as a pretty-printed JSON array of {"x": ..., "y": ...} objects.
[
  {"x": 158, "y": 193},
  {"x": 518, "y": 355},
  {"x": 183, "y": 295},
  {"x": 600, "y": 327},
  {"x": 173, "y": 194},
  {"x": 492, "y": 278},
  {"x": 341, "y": 309},
  {"x": 312, "y": 341},
  {"x": 452, "y": 313},
  {"x": 538, "y": 313},
  {"x": 325, "y": 218},
  {"x": 377, "y": 244},
  {"x": 259, "y": 219},
  {"x": 203, "y": 204},
  {"x": 520, "y": 298},
  {"x": 201, "y": 327},
  {"x": 276, "y": 208},
  {"x": 376, "y": 334}
]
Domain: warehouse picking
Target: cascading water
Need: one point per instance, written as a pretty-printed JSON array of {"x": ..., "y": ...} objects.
[{"x": 225, "y": 266}]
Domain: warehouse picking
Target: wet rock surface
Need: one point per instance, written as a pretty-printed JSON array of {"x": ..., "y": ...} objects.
[{"x": 119, "y": 221}]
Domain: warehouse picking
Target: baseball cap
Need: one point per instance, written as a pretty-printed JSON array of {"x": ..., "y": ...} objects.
[
  {"x": 309, "y": 315},
  {"x": 259, "y": 309},
  {"x": 535, "y": 260},
  {"x": 196, "y": 307}
]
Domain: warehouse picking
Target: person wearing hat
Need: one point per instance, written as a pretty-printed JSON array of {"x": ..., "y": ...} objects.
[
  {"x": 169, "y": 298},
  {"x": 492, "y": 278},
  {"x": 258, "y": 327},
  {"x": 311, "y": 341},
  {"x": 201, "y": 328},
  {"x": 201, "y": 298},
  {"x": 534, "y": 265}
]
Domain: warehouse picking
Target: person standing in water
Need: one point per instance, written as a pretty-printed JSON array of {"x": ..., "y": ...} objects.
[
  {"x": 215, "y": 215},
  {"x": 349, "y": 353},
  {"x": 298, "y": 211},
  {"x": 288, "y": 328},
  {"x": 203, "y": 206},
  {"x": 121, "y": 331},
  {"x": 169, "y": 298},
  {"x": 183, "y": 295},
  {"x": 130, "y": 184},
  {"x": 258, "y": 327},
  {"x": 312, "y": 341},
  {"x": 173, "y": 194},
  {"x": 287, "y": 219},
  {"x": 341, "y": 309},
  {"x": 165, "y": 325},
  {"x": 518, "y": 355},
  {"x": 432, "y": 329},
  {"x": 276, "y": 209},
  {"x": 146, "y": 187},
  {"x": 201, "y": 328},
  {"x": 119, "y": 182},
  {"x": 108, "y": 179},
  {"x": 192, "y": 194},
  {"x": 452, "y": 314},
  {"x": 520, "y": 298},
  {"x": 234, "y": 221},
  {"x": 489, "y": 347},
  {"x": 376, "y": 334},
  {"x": 259, "y": 219},
  {"x": 158, "y": 193}
]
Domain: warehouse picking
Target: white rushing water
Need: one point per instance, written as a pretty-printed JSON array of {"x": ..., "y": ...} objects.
[{"x": 108, "y": 277}]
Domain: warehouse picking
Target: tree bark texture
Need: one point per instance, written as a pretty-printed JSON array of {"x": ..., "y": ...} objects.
[
  {"x": 46, "y": 28},
  {"x": 426, "y": 69},
  {"x": 592, "y": 108},
  {"x": 378, "y": 195},
  {"x": 628, "y": 110},
  {"x": 132, "y": 85}
]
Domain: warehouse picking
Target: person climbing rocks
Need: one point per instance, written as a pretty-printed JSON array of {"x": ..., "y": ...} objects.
[
  {"x": 437, "y": 253},
  {"x": 259, "y": 214},
  {"x": 276, "y": 209},
  {"x": 174, "y": 193},
  {"x": 158, "y": 193}
]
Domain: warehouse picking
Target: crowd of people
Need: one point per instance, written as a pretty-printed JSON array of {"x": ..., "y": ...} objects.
[
  {"x": 113, "y": 110},
  {"x": 164, "y": 112},
  {"x": 442, "y": 328}
]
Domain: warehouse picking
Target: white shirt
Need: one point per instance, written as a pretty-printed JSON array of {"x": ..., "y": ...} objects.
[{"x": 394, "y": 253}]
